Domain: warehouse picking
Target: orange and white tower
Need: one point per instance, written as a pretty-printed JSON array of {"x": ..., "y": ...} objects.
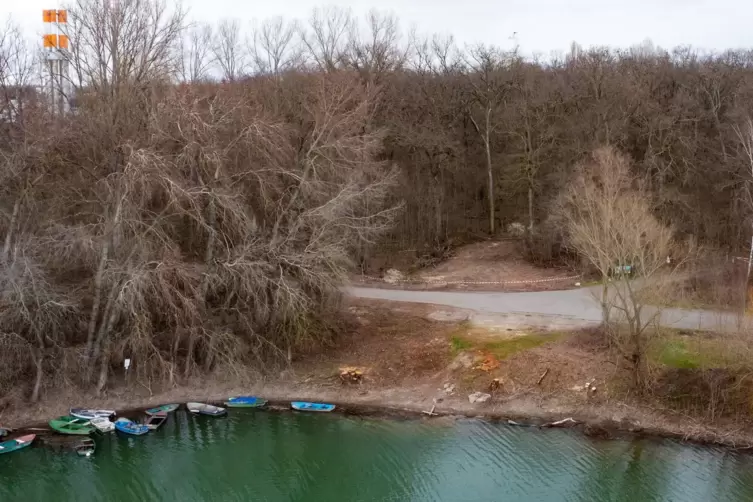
[{"x": 55, "y": 43}]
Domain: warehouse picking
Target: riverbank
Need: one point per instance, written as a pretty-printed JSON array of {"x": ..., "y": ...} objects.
[
  {"x": 412, "y": 363},
  {"x": 620, "y": 421}
]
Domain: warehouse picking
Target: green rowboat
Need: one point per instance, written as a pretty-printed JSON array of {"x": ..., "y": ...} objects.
[
  {"x": 71, "y": 425},
  {"x": 167, "y": 408}
]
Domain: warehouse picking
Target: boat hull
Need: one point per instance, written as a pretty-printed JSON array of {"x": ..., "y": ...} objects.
[
  {"x": 245, "y": 402},
  {"x": 72, "y": 426},
  {"x": 85, "y": 414},
  {"x": 316, "y": 407},
  {"x": 166, "y": 408},
  {"x": 156, "y": 420},
  {"x": 131, "y": 428},
  {"x": 16, "y": 444},
  {"x": 206, "y": 409},
  {"x": 103, "y": 425}
]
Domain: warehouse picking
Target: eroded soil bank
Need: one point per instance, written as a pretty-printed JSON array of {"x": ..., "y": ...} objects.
[{"x": 412, "y": 364}]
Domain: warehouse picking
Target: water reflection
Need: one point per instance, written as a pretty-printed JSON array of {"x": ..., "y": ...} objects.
[{"x": 259, "y": 456}]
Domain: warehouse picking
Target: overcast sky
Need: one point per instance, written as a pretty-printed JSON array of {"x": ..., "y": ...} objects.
[{"x": 542, "y": 26}]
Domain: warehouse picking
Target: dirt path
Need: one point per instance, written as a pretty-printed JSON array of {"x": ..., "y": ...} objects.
[{"x": 577, "y": 307}]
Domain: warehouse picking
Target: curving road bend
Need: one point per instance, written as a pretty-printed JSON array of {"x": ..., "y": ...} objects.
[{"x": 575, "y": 308}]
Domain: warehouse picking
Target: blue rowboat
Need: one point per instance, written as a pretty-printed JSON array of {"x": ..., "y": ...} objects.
[
  {"x": 16, "y": 444},
  {"x": 304, "y": 406},
  {"x": 245, "y": 402},
  {"x": 127, "y": 426}
]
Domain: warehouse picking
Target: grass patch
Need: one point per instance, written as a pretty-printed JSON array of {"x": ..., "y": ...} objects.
[
  {"x": 695, "y": 352},
  {"x": 677, "y": 354},
  {"x": 459, "y": 344},
  {"x": 504, "y": 347}
]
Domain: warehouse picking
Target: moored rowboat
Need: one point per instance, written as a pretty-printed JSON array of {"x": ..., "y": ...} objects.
[
  {"x": 167, "y": 408},
  {"x": 86, "y": 414},
  {"x": 206, "y": 409},
  {"x": 103, "y": 424},
  {"x": 155, "y": 420},
  {"x": 245, "y": 402},
  {"x": 127, "y": 426},
  {"x": 17, "y": 444},
  {"x": 305, "y": 406},
  {"x": 71, "y": 425}
]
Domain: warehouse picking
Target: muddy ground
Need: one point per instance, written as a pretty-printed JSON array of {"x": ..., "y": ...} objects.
[{"x": 483, "y": 266}]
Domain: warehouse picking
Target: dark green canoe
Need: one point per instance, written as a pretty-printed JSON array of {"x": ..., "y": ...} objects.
[{"x": 71, "y": 425}]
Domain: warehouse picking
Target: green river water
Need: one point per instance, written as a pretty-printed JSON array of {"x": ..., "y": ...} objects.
[{"x": 266, "y": 456}]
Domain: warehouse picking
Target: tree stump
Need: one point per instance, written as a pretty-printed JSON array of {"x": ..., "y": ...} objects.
[{"x": 351, "y": 376}]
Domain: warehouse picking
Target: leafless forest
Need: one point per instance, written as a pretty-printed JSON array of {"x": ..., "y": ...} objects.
[{"x": 213, "y": 185}]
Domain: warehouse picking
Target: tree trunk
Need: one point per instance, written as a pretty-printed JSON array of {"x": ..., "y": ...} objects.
[
  {"x": 90, "y": 348},
  {"x": 438, "y": 190},
  {"x": 189, "y": 354},
  {"x": 208, "y": 259},
  {"x": 97, "y": 300},
  {"x": 11, "y": 226},
  {"x": 637, "y": 360},
  {"x": 104, "y": 371},
  {"x": 530, "y": 210},
  {"x": 747, "y": 279},
  {"x": 108, "y": 321},
  {"x": 637, "y": 356},
  {"x": 38, "y": 360},
  {"x": 489, "y": 171}
]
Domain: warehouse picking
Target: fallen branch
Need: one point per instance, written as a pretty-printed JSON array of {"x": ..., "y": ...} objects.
[
  {"x": 541, "y": 378},
  {"x": 518, "y": 424},
  {"x": 560, "y": 423},
  {"x": 430, "y": 412}
]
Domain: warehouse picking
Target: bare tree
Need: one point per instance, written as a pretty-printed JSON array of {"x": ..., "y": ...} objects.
[
  {"x": 31, "y": 307},
  {"x": 228, "y": 49},
  {"x": 327, "y": 36},
  {"x": 533, "y": 106},
  {"x": 17, "y": 72},
  {"x": 22, "y": 135},
  {"x": 196, "y": 58},
  {"x": 609, "y": 222},
  {"x": 275, "y": 47},
  {"x": 119, "y": 53},
  {"x": 131, "y": 41},
  {"x": 745, "y": 135},
  {"x": 489, "y": 88},
  {"x": 377, "y": 51}
]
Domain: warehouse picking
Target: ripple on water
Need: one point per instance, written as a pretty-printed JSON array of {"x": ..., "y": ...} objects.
[{"x": 259, "y": 456}]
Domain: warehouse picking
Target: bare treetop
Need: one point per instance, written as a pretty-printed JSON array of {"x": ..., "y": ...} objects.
[{"x": 130, "y": 41}]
